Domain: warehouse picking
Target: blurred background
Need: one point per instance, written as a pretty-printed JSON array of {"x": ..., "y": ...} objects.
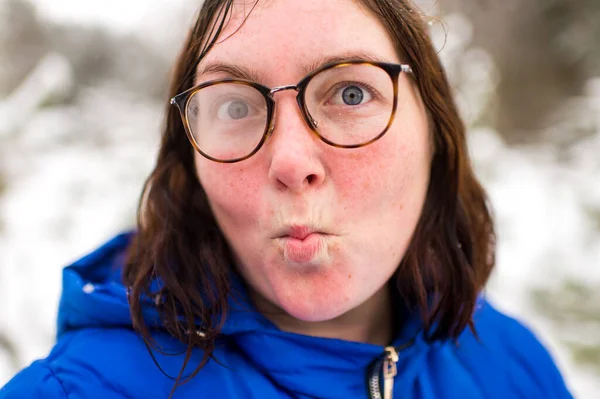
[{"x": 83, "y": 88}]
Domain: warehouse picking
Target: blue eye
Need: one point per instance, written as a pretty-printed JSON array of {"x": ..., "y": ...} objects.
[{"x": 351, "y": 95}]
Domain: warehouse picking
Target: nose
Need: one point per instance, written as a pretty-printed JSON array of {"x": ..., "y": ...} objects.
[{"x": 295, "y": 156}]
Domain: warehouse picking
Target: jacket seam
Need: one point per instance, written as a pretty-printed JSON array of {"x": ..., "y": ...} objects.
[{"x": 47, "y": 366}]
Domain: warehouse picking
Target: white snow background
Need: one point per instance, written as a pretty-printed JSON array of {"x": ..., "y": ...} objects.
[{"x": 68, "y": 190}]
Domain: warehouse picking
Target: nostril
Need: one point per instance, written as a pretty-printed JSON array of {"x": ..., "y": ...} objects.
[{"x": 311, "y": 178}]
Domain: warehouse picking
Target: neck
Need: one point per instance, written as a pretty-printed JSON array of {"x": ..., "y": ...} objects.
[{"x": 371, "y": 322}]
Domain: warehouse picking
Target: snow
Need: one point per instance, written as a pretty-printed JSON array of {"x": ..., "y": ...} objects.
[
  {"x": 118, "y": 15},
  {"x": 51, "y": 77}
]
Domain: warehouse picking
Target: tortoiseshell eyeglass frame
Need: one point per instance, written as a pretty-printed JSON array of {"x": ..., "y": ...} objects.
[{"x": 181, "y": 102}]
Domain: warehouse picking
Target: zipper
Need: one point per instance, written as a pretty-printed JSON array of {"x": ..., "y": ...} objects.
[
  {"x": 384, "y": 367},
  {"x": 380, "y": 376},
  {"x": 389, "y": 371}
]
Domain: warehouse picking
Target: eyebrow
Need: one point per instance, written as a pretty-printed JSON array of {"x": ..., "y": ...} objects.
[
  {"x": 235, "y": 71},
  {"x": 241, "y": 72},
  {"x": 345, "y": 56}
]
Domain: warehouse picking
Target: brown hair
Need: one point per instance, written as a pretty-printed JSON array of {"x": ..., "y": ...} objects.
[{"x": 179, "y": 244}]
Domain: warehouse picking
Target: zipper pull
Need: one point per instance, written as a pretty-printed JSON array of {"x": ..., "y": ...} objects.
[{"x": 389, "y": 371}]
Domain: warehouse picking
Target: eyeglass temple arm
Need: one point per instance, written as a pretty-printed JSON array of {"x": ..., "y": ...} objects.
[{"x": 406, "y": 68}]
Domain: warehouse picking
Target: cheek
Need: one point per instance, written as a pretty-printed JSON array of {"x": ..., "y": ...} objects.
[
  {"x": 232, "y": 192},
  {"x": 382, "y": 174}
]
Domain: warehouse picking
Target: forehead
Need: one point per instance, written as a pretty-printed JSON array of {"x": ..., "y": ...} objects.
[{"x": 287, "y": 37}]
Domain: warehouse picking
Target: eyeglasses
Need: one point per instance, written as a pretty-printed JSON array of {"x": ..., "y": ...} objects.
[{"x": 347, "y": 104}]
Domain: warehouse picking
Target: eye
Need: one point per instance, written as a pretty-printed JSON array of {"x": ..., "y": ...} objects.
[
  {"x": 352, "y": 95},
  {"x": 233, "y": 109}
]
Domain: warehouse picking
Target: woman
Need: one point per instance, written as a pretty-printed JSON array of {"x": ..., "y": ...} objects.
[{"x": 312, "y": 229}]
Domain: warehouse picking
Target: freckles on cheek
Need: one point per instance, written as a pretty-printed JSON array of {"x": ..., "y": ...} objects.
[
  {"x": 373, "y": 175},
  {"x": 229, "y": 190}
]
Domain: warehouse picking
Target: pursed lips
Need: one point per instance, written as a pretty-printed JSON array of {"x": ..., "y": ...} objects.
[
  {"x": 302, "y": 245},
  {"x": 299, "y": 232}
]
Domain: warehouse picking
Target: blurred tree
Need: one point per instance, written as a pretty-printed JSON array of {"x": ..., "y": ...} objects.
[
  {"x": 96, "y": 55},
  {"x": 22, "y": 43},
  {"x": 545, "y": 51},
  {"x": 9, "y": 348},
  {"x": 100, "y": 57}
]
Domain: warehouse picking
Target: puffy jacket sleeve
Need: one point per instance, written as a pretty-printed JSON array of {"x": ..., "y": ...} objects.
[
  {"x": 517, "y": 349},
  {"x": 535, "y": 358},
  {"x": 36, "y": 381}
]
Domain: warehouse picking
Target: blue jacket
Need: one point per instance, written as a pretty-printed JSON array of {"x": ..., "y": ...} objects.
[{"x": 98, "y": 355}]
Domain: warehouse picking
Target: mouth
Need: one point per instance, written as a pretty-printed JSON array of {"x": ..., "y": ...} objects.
[
  {"x": 300, "y": 244},
  {"x": 298, "y": 232}
]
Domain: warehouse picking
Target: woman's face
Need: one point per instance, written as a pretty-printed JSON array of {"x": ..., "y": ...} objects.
[{"x": 316, "y": 230}]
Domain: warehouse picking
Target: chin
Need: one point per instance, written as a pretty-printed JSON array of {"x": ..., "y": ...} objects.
[
  {"x": 317, "y": 307},
  {"x": 315, "y": 315}
]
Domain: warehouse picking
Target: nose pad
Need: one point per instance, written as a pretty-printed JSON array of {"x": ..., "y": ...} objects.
[
  {"x": 271, "y": 126},
  {"x": 306, "y": 116},
  {"x": 310, "y": 121}
]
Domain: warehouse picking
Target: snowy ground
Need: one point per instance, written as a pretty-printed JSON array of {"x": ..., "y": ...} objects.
[{"x": 74, "y": 173}]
